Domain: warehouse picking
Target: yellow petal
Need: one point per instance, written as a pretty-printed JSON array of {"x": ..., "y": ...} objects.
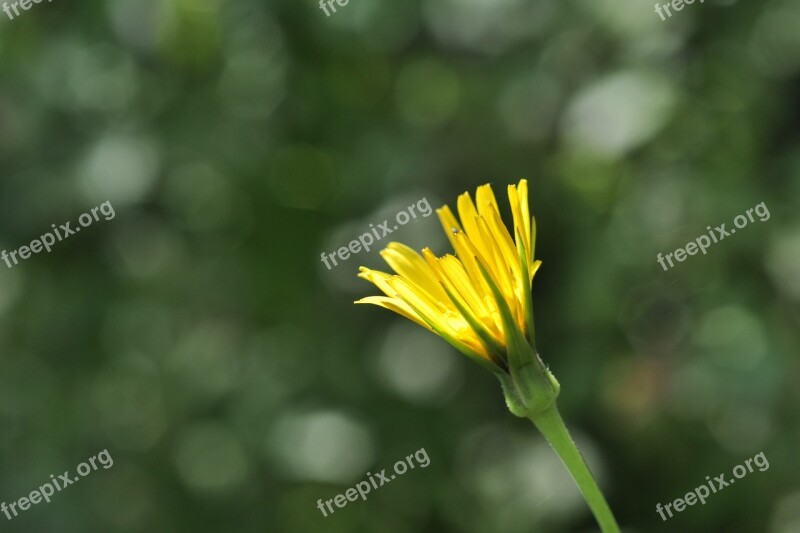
[
  {"x": 449, "y": 223},
  {"x": 434, "y": 312},
  {"x": 409, "y": 264},
  {"x": 503, "y": 274},
  {"x": 469, "y": 218},
  {"x": 379, "y": 279},
  {"x": 396, "y": 305},
  {"x": 469, "y": 257},
  {"x": 500, "y": 236},
  {"x": 519, "y": 207},
  {"x": 459, "y": 283},
  {"x": 526, "y": 216}
]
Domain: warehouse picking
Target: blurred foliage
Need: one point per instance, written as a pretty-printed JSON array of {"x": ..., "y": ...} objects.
[{"x": 199, "y": 338}]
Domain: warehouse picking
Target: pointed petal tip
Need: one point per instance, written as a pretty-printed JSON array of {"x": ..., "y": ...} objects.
[{"x": 365, "y": 273}]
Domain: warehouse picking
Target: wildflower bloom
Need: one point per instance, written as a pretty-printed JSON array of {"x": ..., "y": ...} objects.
[
  {"x": 455, "y": 296},
  {"x": 479, "y": 300}
]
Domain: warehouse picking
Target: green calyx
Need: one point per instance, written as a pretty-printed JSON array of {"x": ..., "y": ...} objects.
[{"x": 529, "y": 387}]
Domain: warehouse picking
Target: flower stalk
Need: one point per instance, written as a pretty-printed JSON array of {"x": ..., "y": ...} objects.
[
  {"x": 531, "y": 392},
  {"x": 550, "y": 423}
]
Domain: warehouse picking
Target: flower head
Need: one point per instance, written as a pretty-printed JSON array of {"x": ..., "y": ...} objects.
[{"x": 479, "y": 299}]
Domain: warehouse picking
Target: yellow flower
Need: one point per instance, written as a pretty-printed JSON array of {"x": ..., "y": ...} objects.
[
  {"x": 480, "y": 302},
  {"x": 468, "y": 298}
]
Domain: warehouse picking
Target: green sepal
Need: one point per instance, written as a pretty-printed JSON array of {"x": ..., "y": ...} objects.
[
  {"x": 529, "y": 387},
  {"x": 523, "y": 260}
]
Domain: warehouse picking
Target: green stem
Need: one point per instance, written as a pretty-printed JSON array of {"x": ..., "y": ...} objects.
[{"x": 552, "y": 427}]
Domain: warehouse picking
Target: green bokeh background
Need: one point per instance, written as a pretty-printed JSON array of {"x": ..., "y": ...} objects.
[{"x": 198, "y": 337}]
